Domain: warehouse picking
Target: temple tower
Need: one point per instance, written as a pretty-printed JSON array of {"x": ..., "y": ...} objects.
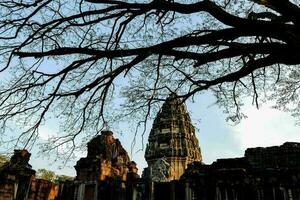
[
  {"x": 172, "y": 143},
  {"x": 106, "y": 158}
]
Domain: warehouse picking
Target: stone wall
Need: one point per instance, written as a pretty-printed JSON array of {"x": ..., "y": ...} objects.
[
  {"x": 271, "y": 173},
  {"x": 39, "y": 189},
  {"x": 284, "y": 156},
  {"x": 42, "y": 190},
  {"x": 17, "y": 181},
  {"x": 7, "y": 187}
]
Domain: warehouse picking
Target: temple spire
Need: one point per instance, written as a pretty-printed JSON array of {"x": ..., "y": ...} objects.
[{"x": 172, "y": 141}]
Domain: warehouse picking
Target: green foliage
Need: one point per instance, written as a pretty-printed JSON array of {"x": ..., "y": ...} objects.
[
  {"x": 51, "y": 176},
  {"x": 46, "y": 175},
  {"x": 62, "y": 178}
]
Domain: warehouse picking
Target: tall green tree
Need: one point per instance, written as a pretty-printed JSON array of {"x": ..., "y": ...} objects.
[
  {"x": 62, "y": 178},
  {"x": 51, "y": 176},
  {"x": 46, "y": 175},
  {"x": 72, "y": 58}
]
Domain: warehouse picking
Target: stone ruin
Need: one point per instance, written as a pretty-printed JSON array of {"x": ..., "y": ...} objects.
[
  {"x": 18, "y": 182},
  {"x": 106, "y": 158},
  {"x": 252, "y": 177},
  {"x": 17, "y": 173},
  {"x": 271, "y": 173},
  {"x": 105, "y": 173}
]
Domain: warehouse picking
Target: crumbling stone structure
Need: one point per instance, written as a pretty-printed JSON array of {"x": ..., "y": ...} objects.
[
  {"x": 271, "y": 173},
  {"x": 106, "y": 172},
  {"x": 246, "y": 178},
  {"x": 172, "y": 143},
  {"x": 284, "y": 156},
  {"x": 17, "y": 180},
  {"x": 16, "y": 176},
  {"x": 106, "y": 158}
]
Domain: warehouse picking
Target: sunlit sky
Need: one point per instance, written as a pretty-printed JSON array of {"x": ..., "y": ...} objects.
[{"x": 217, "y": 138}]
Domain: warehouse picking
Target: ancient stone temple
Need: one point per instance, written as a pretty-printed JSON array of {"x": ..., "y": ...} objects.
[
  {"x": 271, "y": 173},
  {"x": 106, "y": 158},
  {"x": 172, "y": 143},
  {"x": 105, "y": 173}
]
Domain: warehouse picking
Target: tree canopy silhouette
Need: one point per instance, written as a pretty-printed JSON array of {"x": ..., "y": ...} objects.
[{"x": 71, "y": 59}]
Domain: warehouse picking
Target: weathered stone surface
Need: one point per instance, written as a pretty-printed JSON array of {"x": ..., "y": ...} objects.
[
  {"x": 106, "y": 158},
  {"x": 42, "y": 189},
  {"x": 161, "y": 170},
  {"x": 7, "y": 187},
  {"x": 173, "y": 138},
  {"x": 271, "y": 173},
  {"x": 17, "y": 180},
  {"x": 21, "y": 171},
  {"x": 284, "y": 156},
  {"x": 106, "y": 172},
  {"x": 19, "y": 164},
  {"x": 132, "y": 174}
]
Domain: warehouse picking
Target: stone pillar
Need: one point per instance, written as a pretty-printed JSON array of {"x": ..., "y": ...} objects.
[
  {"x": 80, "y": 192},
  {"x": 23, "y": 187},
  {"x": 284, "y": 193},
  {"x": 151, "y": 190},
  {"x": 134, "y": 193},
  {"x": 96, "y": 190},
  {"x": 15, "y": 190},
  {"x": 290, "y": 194},
  {"x": 173, "y": 192},
  {"x": 218, "y": 194},
  {"x": 188, "y": 192}
]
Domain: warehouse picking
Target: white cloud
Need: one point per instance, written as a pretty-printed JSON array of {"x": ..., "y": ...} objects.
[
  {"x": 45, "y": 132},
  {"x": 266, "y": 127}
]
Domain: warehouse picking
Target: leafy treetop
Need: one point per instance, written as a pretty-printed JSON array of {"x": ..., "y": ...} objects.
[{"x": 51, "y": 176}]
